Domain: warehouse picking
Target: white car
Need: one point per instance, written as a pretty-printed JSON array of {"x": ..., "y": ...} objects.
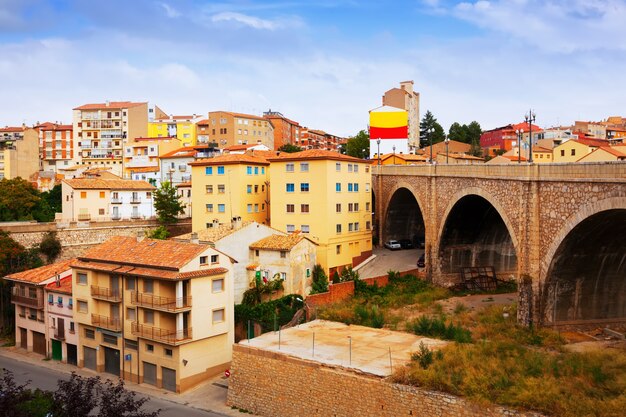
[{"x": 393, "y": 245}]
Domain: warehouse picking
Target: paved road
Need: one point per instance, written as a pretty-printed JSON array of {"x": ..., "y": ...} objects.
[
  {"x": 46, "y": 379},
  {"x": 387, "y": 260}
]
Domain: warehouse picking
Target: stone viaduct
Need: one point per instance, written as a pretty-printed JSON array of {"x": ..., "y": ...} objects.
[{"x": 559, "y": 229}]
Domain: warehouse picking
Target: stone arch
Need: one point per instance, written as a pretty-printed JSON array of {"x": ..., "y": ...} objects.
[{"x": 410, "y": 188}]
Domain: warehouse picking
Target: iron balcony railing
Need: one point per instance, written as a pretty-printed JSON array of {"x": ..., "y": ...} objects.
[
  {"x": 104, "y": 293},
  {"x": 157, "y": 302},
  {"x": 135, "y": 200},
  {"x": 106, "y": 322},
  {"x": 25, "y": 300},
  {"x": 157, "y": 334}
]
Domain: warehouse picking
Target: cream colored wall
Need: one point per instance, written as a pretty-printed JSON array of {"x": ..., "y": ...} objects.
[
  {"x": 295, "y": 264},
  {"x": 137, "y": 121},
  {"x": 91, "y": 204},
  {"x": 23, "y": 161},
  {"x": 205, "y": 354},
  {"x": 579, "y": 148},
  {"x": 203, "y": 306},
  {"x": 599, "y": 155}
]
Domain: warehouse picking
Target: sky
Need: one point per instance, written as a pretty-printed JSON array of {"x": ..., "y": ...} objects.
[{"x": 323, "y": 63}]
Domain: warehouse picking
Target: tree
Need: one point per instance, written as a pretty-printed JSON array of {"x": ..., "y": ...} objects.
[
  {"x": 430, "y": 122},
  {"x": 167, "y": 203},
  {"x": 358, "y": 146},
  {"x": 160, "y": 232},
  {"x": 116, "y": 401},
  {"x": 12, "y": 395},
  {"x": 320, "y": 280},
  {"x": 289, "y": 148},
  {"x": 18, "y": 198},
  {"x": 458, "y": 132},
  {"x": 50, "y": 246}
]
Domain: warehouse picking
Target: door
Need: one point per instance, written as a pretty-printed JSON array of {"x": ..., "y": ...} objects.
[
  {"x": 23, "y": 338},
  {"x": 116, "y": 212},
  {"x": 115, "y": 313},
  {"x": 149, "y": 373},
  {"x": 72, "y": 354},
  {"x": 39, "y": 343},
  {"x": 169, "y": 379},
  {"x": 57, "y": 350},
  {"x": 114, "y": 283},
  {"x": 60, "y": 329},
  {"x": 89, "y": 358},
  {"x": 112, "y": 361}
]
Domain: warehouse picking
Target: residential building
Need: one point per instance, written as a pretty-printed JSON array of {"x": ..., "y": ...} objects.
[
  {"x": 400, "y": 159},
  {"x": 45, "y": 180},
  {"x": 174, "y": 165},
  {"x": 183, "y": 191},
  {"x": 591, "y": 129},
  {"x": 19, "y": 152},
  {"x": 61, "y": 328},
  {"x": 227, "y": 128},
  {"x": 157, "y": 312},
  {"x": 102, "y": 129},
  {"x": 181, "y": 127},
  {"x": 506, "y": 159},
  {"x": 246, "y": 148},
  {"x": 56, "y": 146},
  {"x": 388, "y": 130},
  {"x": 234, "y": 239},
  {"x": 542, "y": 155},
  {"x": 203, "y": 127},
  {"x": 286, "y": 131},
  {"x": 227, "y": 187},
  {"x": 453, "y": 147},
  {"x": 616, "y": 134},
  {"x": 290, "y": 258},
  {"x": 407, "y": 99},
  {"x": 96, "y": 199},
  {"x": 457, "y": 158},
  {"x": 141, "y": 157},
  {"x": 604, "y": 153},
  {"x": 318, "y": 139},
  {"x": 573, "y": 150},
  {"x": 327, "y": 196},
  {"x": 505, "y": 138},
  {"x": 28, "y": 296}
]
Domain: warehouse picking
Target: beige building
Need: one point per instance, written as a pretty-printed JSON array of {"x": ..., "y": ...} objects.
[
  {"x": 604, "y": 153},
  {"x": 61, "y": 332},
  {"x": 19, "y": 152},
  {"x": 141, "y": 156},
  {"x": 457, "y": 158},
  {"x": 407, "y": 99},
  {"x": 573, "y": 150},
  {"x": 227, "y": 129},
  {"x": 154, "y": 312}
]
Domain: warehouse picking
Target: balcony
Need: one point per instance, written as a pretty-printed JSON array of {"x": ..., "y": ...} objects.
[
  {"x": 116, "y": 216},
  {"x": 116, "y": 200},
  {"x": 107, "y": 294},
  {"x": 171, "y": 337},
  {"x": 84, "y": 217},
  {"x": 59, "y": 334},
  {"x": 25, "y": 300},
  {"x": 106, "y": 322},
  {"x": 157, "y": 302},
  {"x": 135, "y": 200}
]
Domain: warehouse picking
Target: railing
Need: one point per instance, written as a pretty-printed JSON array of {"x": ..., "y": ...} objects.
[
  {"x": 104, "y": 293},
  {"x": 59, "y": 334},
  {"x": 84, "y": 217},
  {"x": 23, "y": 299},
  {"x": 136, "y": 216},
  {"x": 135, "y": 200},
  {"x": 171, "y": 337},
  {"x": 157, "y": 302},
  {"x": 106, "y": 322},
  {"x": 116, "y": 217},
  {"x": 116, "y": 200}
]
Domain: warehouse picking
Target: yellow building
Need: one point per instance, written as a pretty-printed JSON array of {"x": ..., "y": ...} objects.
[
  {"x": 181, "y": 127},
  {"x": 143, "y": 153},
  {"x": 229, "y": 186},
  {"x": 327, "y": 196},
  {"x": 399, "y": 159},
  {"x": 574, "y": 149},
  {"x": 153, "y": 311},
  {"x": 542, "y": 155},
  {"x": 605, "y": 153},
  {"x": 19, "y": 152}
]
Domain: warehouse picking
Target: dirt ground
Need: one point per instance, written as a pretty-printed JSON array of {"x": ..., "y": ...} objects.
[{"x": 476, "y": 302}]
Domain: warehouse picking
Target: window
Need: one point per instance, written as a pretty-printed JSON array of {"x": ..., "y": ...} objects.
[
  {"x": 130, "y": 284},
  {"x": 131, "y": 344},
  {"x": 83, "y": 194},
  {"x": 367, "y": 187},
  {"x": 50, "y": 299},
  {"x": 573, "y": 152},
  {"x": 249, "y": 189},
  {"x": 283, "y": 254},
  {"x": 60, "y": 301},
  {"x": 338, "y": 166},
  {"x": 338, "y": 250},
  {"x": 350, "y": 228},
  {"x": 217, "y": 285},
  {"x": 290, "y": 188},
  {"x": 338, "y": 187},
  {"x": 356, "y": 168},
  {"x": 249, "y": 208},
  {"x": 107, "y": 338},
  {"x": 256, "y": 252},
  {"x": 215, "y": 259},
  {"x": 283, "y": 276},
  {"x": 356, "y": 187},
  {"x": 305, "y": 228},
  {"x": 208, "y": 170},
  {"x": 256, "y": 189},
  {"x": 90, "y": 334},
  {"x": 256, "y": 170},
  {"x": 72, "y": 327},
  {"x": 168, "y": 352},
  {"x": 304, "y": 187},
  {"x": 289, "y": 167},
  {"x": 218, "y": 315},
  {"x": 220, "y": 170},
  {"x": 304, "y": 167},
  {"x": 70, "y": 303},
  {"x": 148, "y": 317},
  {"x": 221, "y": 188},
  {"x": 356, "y": 226},
  {"x": 101, "y": 194},
  {"x": 291, "y": 228},
  {"x": 209, "y": 189},
  {"x": 349, "y": 187},
  {"x": 82, "y": 306},
  {"x": 338, "y": 207},
  {"x": 101, "y": 212},
  {"x": 203, "y": 260},
  {"x": 338, "y": 228},
  {"x": 368, "y": 225},
  {"x": 304, "y": 208},
  {"x": 350, "y": 207},
  {"x": 221, "y": 208},
  {"x": 262, "y": 170},
  {"x": 131, "y": 314},
  {"x": 149, "y": 347},
  {"x": 356, "y": 206},
  {"x": 256, "y": 208},
  {"x": 148, "y": 286},
  {"x": 349, "y": 167},
  {"x": 367, "y": 206},
  {"x": 209, "y": 208},
  {"x": 249, "y": 170},
  {"x": 290, "y": 208},
  {"x": 562, "y": 152}
]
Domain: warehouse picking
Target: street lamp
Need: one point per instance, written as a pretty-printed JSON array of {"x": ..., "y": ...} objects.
[
  {"x": 520, "y": 134},
  {"x": 430, "y": 137},
  {"x": 530, "y": 119},
  {"x": 378, "y": 153},
  {"x": 394, "y": 154},
  {"x": 447, "y": 140}
]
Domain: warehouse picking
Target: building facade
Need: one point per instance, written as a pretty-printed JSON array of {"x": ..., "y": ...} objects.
[
  {"x": 228, "y": 128},
  {"x": 407, "y": 99},
  {"x": 61, "y": 334},
  {"x": 56, "y": 146},
  {"x": 286, "y": 131},
  {"x": 19, "y": 152},
  {"x": 141, "y": 156},
  {"x": 181, "y": 127},
  {"x": 175, "y": 166}
]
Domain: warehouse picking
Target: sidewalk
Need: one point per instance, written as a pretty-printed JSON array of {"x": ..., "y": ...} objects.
[{"x": 210, "y": 395}]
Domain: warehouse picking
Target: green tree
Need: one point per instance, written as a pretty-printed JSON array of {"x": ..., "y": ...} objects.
[
  {"x": 458, "y": 132},
  {"x": 437, "y": 135},
  {"x": 18, "y": 198},
  {"x": 320, "y": 280},
  {"x": 289, "y": 148},
  {"x": 167, "y": 203},
  {"x": 160, "y": 232},
  {"x": 49, "y": 204},
  {"x": 50, "y": 246},
  {"x": 358, "y": 146}
]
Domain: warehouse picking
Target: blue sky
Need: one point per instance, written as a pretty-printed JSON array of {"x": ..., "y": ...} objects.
[{"x": 323, "y": 63}]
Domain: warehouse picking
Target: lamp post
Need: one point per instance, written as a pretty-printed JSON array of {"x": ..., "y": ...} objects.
[
  {"x": 530, "y": 119},
  {"x": 520, "y": 134},
  {"x": 447, "y": 140},
  {"x": 394, "y": 154},
  {"x": 378, "y": 152},
  {"x": 430, "y": 138}
]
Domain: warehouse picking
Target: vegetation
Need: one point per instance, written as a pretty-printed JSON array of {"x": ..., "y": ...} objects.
[
  {"x": 254, "y": 295},
  {"x": 289, "y": 148},
  {"x": 430, "y": 122},
  {"x": 437, "y": 327},
  {"x": 160, "y": 232},
  {"x": 50, "y": 246},
  {"x": 76, "y": 397},
  {"x": 358, "y": 146},
  {"x": 467, "y": 134},
  {"x": 167, "y": 203},
  {"x": 320, "y": 280},
  {"x": 271, "y": 313},
  {"x": 21, "y": 201}
]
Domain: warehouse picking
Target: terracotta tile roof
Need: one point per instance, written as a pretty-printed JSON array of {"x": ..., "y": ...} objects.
[
  {"x": 239, "y": 147},
  {"x": 613, "y": 151},
  {"x": 278, "y": 242},
  {"x": 246, "y": 116},
  {"x": 313, "y": 154},
  {"x": 462, "y": 156},
  {"x": 53, "y": 126},
  {"x": 154, "y": 138},
  {"x": 64, "y": 286},
  {"x": 12, "y": 129},
  {"x": 592, "y": 142},
  {"x": 146, "y": 271},
  {"x": 186, "y": 151},
  {"x": 515, "y": 158},
  {"x": 524, "y": 125},
  {"x": 230, "y": 159},
  {"x": 144, "y": 169},
  {"x": 147, "y": 252},
  {"x": 213, "y": 234},
  {"x": 108, "y": 184},
  {"x": 115, "y": 105},
  {"x": 264, "y": 154},
  {"x": 252, "y": 267},
  {"x": 38, "y": 275},
  {"x": 202, "y": 273},
  {"x": 184, "y": 184},
  {"x": 203, "y": 122},
  {"x": 541, "y": 149}
]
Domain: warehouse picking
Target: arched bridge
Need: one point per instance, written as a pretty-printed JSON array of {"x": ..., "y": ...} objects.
[{"x": 559, "y": 229}]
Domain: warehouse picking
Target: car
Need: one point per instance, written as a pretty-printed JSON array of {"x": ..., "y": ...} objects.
[
  {"x": 421, "y": 261},
  {"x": 393, "y": 245},
  {"x": 406, "y": 244}
]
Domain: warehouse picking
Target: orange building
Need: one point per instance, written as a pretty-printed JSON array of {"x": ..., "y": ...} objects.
[
  {"x": 286, "y": 131},
  {"x": 56, "y": 145}
]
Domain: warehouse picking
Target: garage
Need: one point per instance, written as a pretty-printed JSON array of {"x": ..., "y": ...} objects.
[
  {"x": 149, "y": 373},
  {"x": 89, "y": 358},
  {"x": 112, "y": 361},
  {"x": 169, "y": 379},
  {"x": 72, "y": 354},
  {"x": 39, "y": 343}
]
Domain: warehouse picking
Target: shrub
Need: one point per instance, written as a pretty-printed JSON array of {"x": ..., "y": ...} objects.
[
  {"x": 160, "y": 232},
  {"x": 437, "y": 327},
  {"x": 320, "y": 280},
  {"x": 424, "y": 356},
  {"x": 50, "y": 246}
]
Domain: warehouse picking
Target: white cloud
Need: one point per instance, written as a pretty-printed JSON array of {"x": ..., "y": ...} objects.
[
  {"x": 169, "y": 10},
  {"x": 255, "y": 22}
]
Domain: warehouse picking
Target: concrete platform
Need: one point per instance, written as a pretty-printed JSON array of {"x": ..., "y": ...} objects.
[{"x": 355, "y": 347}]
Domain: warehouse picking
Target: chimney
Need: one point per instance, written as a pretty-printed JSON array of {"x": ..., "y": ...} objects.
[
  {"x": 236, "y": 223},
  {"x": 107, "y": 103},
  {"x": 194, "y": 238},
  {"x": 141, "y": 236}
]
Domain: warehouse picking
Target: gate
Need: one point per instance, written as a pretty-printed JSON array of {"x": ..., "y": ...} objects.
[
  {"x": 39, "y": 343},
  {"x": 72, "y": 354},
  {"x": 23, "y": 338},
  {"x": 112, "y": 361},
  {"x": 89, "y": 358},
  {"x": 57, "y": 350},
  {"x": 149, "y": 373},
  {"x": 169, "y": 379}
]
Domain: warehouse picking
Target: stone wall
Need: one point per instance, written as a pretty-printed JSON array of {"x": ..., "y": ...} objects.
[{"x": 273, "y": 384}]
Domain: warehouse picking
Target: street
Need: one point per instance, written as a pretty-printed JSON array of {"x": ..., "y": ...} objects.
[{"x": 46, "y": 379}]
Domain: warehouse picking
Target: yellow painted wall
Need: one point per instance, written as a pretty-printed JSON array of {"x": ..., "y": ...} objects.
[
  {"x": 542, "y": 157},
  {"x": 570, "y": 151},
  {"x": 85, "y": 202},
  {"x": 185, "y": 131},
  {"x": 599, "y": 155}
]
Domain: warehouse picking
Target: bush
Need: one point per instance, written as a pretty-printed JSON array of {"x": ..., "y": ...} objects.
[
  {"x": 50, "y": 246},
  {"x": 160, "y": 232},
  {"x": 437, "y": 327},
  {"x": 424, "y": 356},
  {"x": 279, "y": 311}
]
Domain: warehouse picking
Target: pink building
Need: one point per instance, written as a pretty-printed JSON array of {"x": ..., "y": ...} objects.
[{"x": 61, "y": 329}]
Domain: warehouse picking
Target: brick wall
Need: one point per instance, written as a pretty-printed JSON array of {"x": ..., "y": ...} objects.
[
  {"x": 336, "y": 293},
  {"x": 272, "y": 384}
]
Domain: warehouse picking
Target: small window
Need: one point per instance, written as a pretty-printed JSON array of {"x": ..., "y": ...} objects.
[
  {"x": 148, "y": 286},
  {"x": 338, "y": 166},
  {"x": 209, "y": 189},
  {"x": 283, "y": 276},
  {"x": 249, "y": 189},
  {"x": 356, "y": 187},
  {"x": 220, "y": 170},
  {"x": 573, "y": 152},
  {"x": 221, "y": 188},
  {"x": 209, "y": 208},
  {"x": 367, "y": 206},
  {"x": 221, "y": 208},
  {"x": 349, "y": 167},
  {"x": 90, "y": 334},
  {"x": 131, "y": 314},
  {"x": 107, "y": 338},
  {"x": 83, "y": 194},
  {"x": 81, "y": 278},
  {"x": 203, "y": 260},
  {"x": 101, "y": 194},
  {"x": 356, "y": 168},
  {"x": 82, "y": 306},
  {"x": 130, "y": 284},
  {"x": 305, "y": 228},
  {"x": 215, "y": 259},
  {"x": 249, "y": 170},
  {"x": 217, "y": 285},
  {"x": 338, "y": 228},
  {"x": 50, "y": 299},
  {"x": 338, "y": 249},
  {"x": 101, "y": 212},
  {"x": 291, "y": 228},
  {"x": 256, "y": 170},
  {"x": 60, "y": 301},
  {"x": 304, "y": 187},
  {"x": 283, "y": 254},
  {"x": 289, "y": 167},
  {"x": 338, "y": 207},
  {"x": 148, "y": 317},
  {"x": 72, "y": 327},
  {"x": 349, "y": 187},
  {"x": 256, "y": 252},
  {"x": 304, "y": 208},
  {"x": 168, "y": 352},
  {"x": 218, "y": 315},
  {"x": 249, "y": 208},
  {"x": 290, "y": 188},
  {"x": 208, "y": 170},
  {"x": 338, "y": 187},
  {"x": 291, "y": 208},
  {"x": 131, "y": 344},
  {"x": 149, "y": 347},
  {"x": 304, "y": 167},
  {"x": 562, "y": 152}
]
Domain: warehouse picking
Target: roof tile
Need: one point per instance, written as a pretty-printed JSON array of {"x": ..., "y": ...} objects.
[{"x": 38, "y": 275}]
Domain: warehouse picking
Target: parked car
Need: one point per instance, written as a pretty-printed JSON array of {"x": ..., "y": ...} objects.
[
  {"x": 393, "y": 245},
  {"x": 406, "y": 244},
  {"x": 421, "y": 261}
]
